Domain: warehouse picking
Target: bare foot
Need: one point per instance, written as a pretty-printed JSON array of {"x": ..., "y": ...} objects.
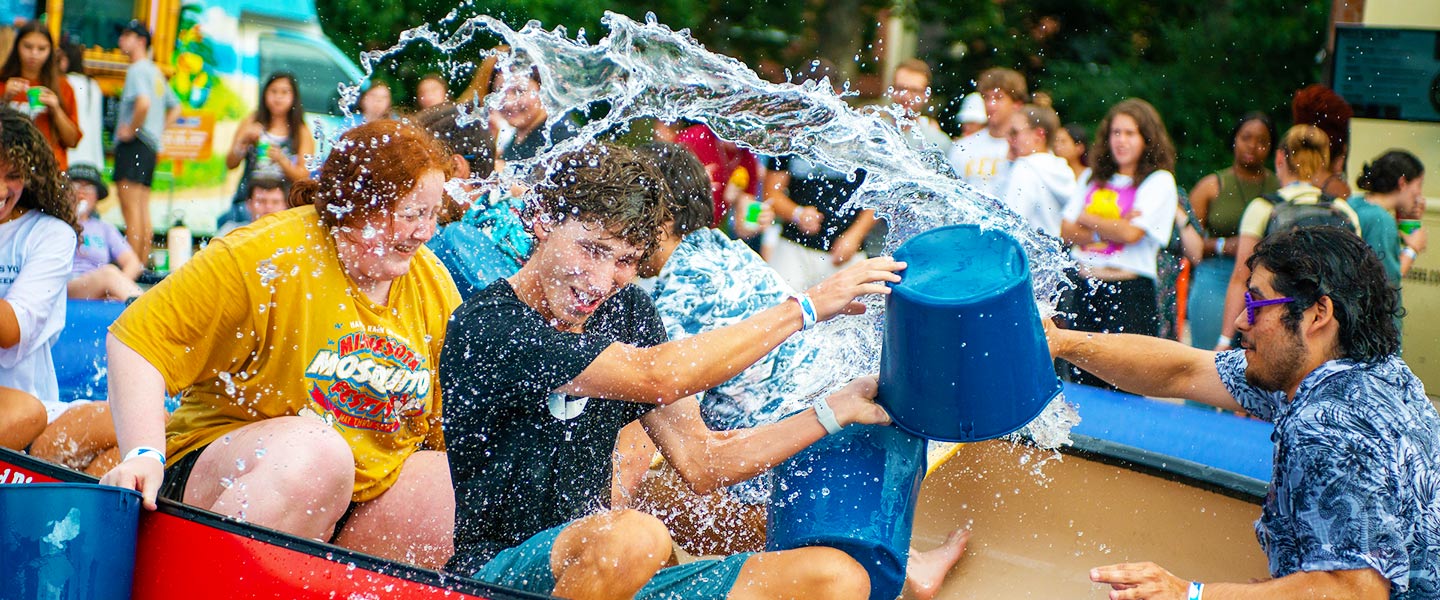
[{"x": 927, "y": 570}]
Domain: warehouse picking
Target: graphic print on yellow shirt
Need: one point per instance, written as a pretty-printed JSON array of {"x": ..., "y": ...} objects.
[
  {"x": 368, "y": 382},
  {"x": 263, "y": 323},
  {"x": 1108, "y": 202}
]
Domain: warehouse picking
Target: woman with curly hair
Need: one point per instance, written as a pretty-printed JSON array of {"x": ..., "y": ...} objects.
[
  {"x": 304, "y": 350},
  {"x": 35, "y": 86},
  {"x": 37, "y": 244}
]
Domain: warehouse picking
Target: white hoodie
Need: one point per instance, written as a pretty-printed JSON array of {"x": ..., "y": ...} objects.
[{"x": 1039, "y": 187}]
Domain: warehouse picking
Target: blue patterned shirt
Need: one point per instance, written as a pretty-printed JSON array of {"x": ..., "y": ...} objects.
[{"x": 1356, "y": 479}]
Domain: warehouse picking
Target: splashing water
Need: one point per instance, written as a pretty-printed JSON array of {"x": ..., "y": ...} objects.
[{"x": 646, "y": 70}]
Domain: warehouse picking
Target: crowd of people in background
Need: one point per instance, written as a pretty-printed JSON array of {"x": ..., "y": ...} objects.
[{"x": 735, "y": 227}]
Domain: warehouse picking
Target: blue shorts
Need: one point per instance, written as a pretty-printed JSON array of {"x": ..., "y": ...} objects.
[{"x": 527, "y": 567}]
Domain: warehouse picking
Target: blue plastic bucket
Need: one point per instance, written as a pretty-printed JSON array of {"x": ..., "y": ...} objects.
[
  {"x": 854, "y": 491},
  {"x": 964, "y": 356},
  {"x": 67, "y": 541}
]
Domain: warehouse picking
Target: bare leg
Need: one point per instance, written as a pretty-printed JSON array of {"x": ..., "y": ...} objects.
[
  {"x": 77, "y": 436},
  {"x": 294, "y": 474},
  {"x": 816, "y": 572},
  {"x": 103, "y": 463},
  {"x": 135, "y": 208},
  {"x": 633, "y": 453},
  {"x": 609, "y": 555},
  {"x": 22, "y": 418},
  {"x": 927, "y": 570},
  {"x": 413, "y": 521},
  {"x": 104, "y": 283}
]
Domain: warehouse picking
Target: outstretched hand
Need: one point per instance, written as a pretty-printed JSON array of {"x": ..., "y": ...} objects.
[
  {"x": 839, "y": 293},
  {"x": 142, "y": 474},
  {"x": 1140, "y": 581}
]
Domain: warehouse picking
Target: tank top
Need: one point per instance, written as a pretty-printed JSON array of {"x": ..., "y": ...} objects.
[
  {"x": 254, "y": 163},
  {"x": 1230, "y": 201}
]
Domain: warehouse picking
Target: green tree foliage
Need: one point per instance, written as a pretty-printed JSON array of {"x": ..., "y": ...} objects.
[{"x": 1201, "y": 64}]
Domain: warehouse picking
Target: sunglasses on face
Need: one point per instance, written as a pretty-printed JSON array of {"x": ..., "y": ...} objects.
[{"x": 1251, "y": 305}]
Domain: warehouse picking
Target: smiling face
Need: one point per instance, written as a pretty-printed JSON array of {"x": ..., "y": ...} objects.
[
  {"x": 1126, "y": 143},
  {"x": 578, "y": 265},
  {"x": 379, "y": 248},
  {"x": 911, "y": 90},
  {"x": 12, "y": 185},
  {"x": 34, "y": 50},
  {"x": 521, "y": 103},
  {"x": 430, "y": 92},
  {"x": 1275, "y": 352},
  {"x": 1024, "y": 139}
]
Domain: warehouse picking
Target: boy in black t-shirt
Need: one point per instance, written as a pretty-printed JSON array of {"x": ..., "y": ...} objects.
[{"x": 540, "y": 371}]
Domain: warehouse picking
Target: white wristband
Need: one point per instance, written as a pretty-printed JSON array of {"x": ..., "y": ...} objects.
[
  {"x": 1225, "y": 341},
  {"x": 1220, "y": 246},
  {"x": 1196, "y": 591},
  {"x": 145, "y": 451},
  {"x": 826, "y": 416},
  {"x": 1409, "y": 252},
  {"x": 808, "y": 316}
]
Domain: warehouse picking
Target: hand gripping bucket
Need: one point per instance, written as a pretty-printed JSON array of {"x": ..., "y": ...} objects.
[
  {"x": 854, "y": 491},
  {"x": 67, "y": 541},
  {"x": 964, "y": 356}
]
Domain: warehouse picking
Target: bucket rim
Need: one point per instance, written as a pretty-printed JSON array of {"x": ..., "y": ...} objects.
[
  {"x": 1022, "y": 275},
  {"x": 1059, "y": 388},
  {"x": 71, "y": 486}
]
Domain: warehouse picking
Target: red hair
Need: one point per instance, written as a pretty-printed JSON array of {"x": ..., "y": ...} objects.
[
  {"x": 370, "y": 169},
  {"x": 1320, "y": 106}
]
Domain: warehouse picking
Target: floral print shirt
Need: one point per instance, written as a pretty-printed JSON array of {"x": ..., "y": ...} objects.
[{"x": 1356, "y": 479}]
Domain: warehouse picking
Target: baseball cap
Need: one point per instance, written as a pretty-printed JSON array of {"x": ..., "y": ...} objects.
[
  {"x": 135, "y": 27},
  {"x": 972, "y": 109},
  {"x": 89, "y": 174}
]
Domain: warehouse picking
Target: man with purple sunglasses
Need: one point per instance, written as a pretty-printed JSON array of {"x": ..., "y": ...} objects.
[{"x": 1354, "y": 504}]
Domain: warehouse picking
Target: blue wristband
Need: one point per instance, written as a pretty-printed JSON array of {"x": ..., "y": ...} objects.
[
  {"x": 1196, "y": 590},
  {"x": 146, "y": 451},
  {"x": 807, "y": 311}
]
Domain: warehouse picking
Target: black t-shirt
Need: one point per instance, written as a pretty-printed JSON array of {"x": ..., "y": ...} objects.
[
  {"x": 533, "y": 143},
  {"x": 825, "y": 189},
  {"x": 518, "y": 467}
]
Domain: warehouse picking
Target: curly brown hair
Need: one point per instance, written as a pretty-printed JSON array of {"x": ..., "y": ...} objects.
[
  {"x": 370, "y": 169},
  {"x": 608, "y": 184},
  {"x": 46, "y": 188},
  {"x": 1159, "y": 152}
]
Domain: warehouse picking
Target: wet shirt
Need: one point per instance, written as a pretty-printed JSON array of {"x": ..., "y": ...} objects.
[
  {"x": 264, "y": 323},
  {"x": 825, "y": 189},
  {"x": 100, "y": 245},
  {"x": 523, "y": 458},
  {"x": 1356, "y": 480}
]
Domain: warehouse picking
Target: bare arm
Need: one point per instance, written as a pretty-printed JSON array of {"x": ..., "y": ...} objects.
[
  {"x": 776, "y": 184},
  {"x": 708, "y": 459},
  {"x": 668, "y": 372},
  {"x": 1112, "y": 230},
  {"x": 245, "y": 137},
  {"x": 130, "y": 264},
  {"x": 295, "y": 168},
  {"x": 137, "y": 391},
  {"x": 126, "y": 131},
  {"x": 1202, "y": 195},
  {"x": 1144, "y": 365},
  {"x": 9, "y": 325},
  {"x": 1239, "y": 282},
  {"x": 1150, "y": 581}
]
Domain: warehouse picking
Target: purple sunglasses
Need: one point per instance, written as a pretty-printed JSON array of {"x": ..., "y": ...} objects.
[{"x": 1251, "y": 304}]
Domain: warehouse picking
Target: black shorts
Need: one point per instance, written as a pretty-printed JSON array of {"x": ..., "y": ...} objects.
[
  {"x": 178, "y": 474},
  {"x": 134, "y": 162}
]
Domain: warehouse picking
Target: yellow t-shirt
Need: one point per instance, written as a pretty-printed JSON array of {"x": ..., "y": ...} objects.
[
  {"x": 264, "y": 323},
  {"x": 1257, "y": 213}
]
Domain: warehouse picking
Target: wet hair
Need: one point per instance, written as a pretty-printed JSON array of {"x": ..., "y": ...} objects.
[
  {"x": 370, "y": 168},
  {"x": 1009, "y": 81},
  {"x": 471, "y": 140},
  {"x": 1311, "y": 262},
  {"x": 1306, "y": 150},
  {"x": 1320, "y": 106},
  {"x": 49, "y": 72},
  {"x": 915, "y": 65},
  {"x": 606, "y": 184},
  {"x": 1042, "y": 118},
  {"x": 46, "y": 188},
  {"x": 1159, "y": 152},
  {"x": 1078, "y": 133},
  {"x": 1383, "y": 174},
  {"x": 691, "y": 202},
  {"x": 1256, "y": 115},
  {"x": 294, "y": 119}
]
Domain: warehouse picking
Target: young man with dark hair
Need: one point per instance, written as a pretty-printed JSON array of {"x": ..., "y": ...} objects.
[
  {"x": 269, "y": 193},
  {"x": 541, "y": 371},
  {"x": 1354, "y": 507}
]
